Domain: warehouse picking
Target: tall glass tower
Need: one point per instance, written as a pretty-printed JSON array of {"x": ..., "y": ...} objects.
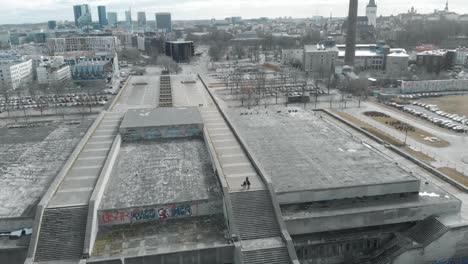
[{"x": 102, "y": 16}]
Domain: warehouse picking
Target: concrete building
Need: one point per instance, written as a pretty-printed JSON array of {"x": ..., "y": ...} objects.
[
  {"x": 112, "y": 18},
  {"x": 53, "y": 70},
  {"x": 367, "y": 56},
  {"x": 436, "y": 61},
  {"x": 462, "y": 56},
  {"x": 164, "y": 22},
  {"x": 14, "y": 70},
  {"x": 162, "y": 123},
  {"x": 96, "y": 44},
  {"x": 141, "y": 19},
  {"x": 5, "y": 40},
  {"x": 180, "y": 51},
  {"x": 397, "y": 65},
  {"x": 102, "y": 16},
  {"x": 371, "y": 13},
  {"x": 320, "y": 60},
  {"x": 82, "y": 15}
]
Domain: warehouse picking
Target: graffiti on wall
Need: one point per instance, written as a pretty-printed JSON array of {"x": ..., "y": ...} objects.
[
  {"x": 461, "y": 260},
  {"x": 142, "y": 214}
]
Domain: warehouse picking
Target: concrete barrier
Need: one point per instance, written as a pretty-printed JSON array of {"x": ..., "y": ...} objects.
[
  {"x": 54, "y": 186},
  {"x": 92, "y": 225},
  {"x": 15, "y": 223},
  {"x": 267, "y": 180},
  {"x": 119, "y": 94}
]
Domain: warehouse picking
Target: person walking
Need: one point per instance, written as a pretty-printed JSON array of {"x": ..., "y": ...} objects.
[{"x": 246, "y": 183}]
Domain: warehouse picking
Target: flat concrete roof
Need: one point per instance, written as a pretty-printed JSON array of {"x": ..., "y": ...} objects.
[
  {"x": 303, "y": 152},
  {"x": 161, "y": 172},
  {"x": 164, "y": 116},
  {"x": 160, "y": 237},
  {"x": 30, "y": 158}
]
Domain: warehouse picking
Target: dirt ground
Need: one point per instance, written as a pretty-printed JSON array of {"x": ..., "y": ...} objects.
[{"x": 454, "y": 104}]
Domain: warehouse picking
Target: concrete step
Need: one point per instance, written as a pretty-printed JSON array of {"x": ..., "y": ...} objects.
[
  {"x": 62, "y": 234},
  {"x": 266, "y": 256}
]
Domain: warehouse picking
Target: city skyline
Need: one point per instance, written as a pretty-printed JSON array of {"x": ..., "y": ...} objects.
[{"x": 22, "y": 11}]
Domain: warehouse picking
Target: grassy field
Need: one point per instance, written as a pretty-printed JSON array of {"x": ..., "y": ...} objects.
[
  {"x": 385, "y": 137},
  {"x": 455, "y": 175},
  {"x": 454, "y": 104},
  {"x": 416, "y": 134}
]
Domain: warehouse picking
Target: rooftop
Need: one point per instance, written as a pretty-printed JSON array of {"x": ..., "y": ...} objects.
[
  {"x": 163, "y": 116},
  {"x": 287, "y": 143},
  {"x": 30, "y": 158},
  {"x": 160, "y": 172}
]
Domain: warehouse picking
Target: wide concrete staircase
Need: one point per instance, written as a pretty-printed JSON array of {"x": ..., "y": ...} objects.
[
  {"x": 268, "y": 255},
  {"x": 258, "y": 228},
  {"x": 254, "y": 215},
  {"x": 62, "y": 234},
  {"x": 426, "y": 231}
]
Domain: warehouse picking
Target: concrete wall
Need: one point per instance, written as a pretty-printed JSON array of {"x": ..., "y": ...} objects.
[
  {"x": 218, "y": 255},
  {"x": 149, "y": 133},
  {"x": 159, "y": 212},
  {"x": 434, "y": 86},
  {"x": 451, "y": 248},
  {"x": 15, "y": 255},
  {"x": 348, "y": 192},
  {"x": 15, "y": 223},
  {"x": 371, "y": 218}
]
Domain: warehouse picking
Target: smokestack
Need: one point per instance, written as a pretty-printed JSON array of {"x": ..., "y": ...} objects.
[{"x": 351, "y": 34}]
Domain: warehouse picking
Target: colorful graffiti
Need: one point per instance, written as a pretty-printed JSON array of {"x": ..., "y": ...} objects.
[
  {"x": 142, "y": 214},
  {"x": 462, "y": 260}
]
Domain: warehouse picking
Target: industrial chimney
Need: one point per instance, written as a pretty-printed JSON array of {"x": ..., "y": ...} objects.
[{"x": 351, "y": 34}]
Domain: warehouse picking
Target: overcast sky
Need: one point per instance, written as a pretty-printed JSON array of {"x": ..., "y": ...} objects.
[{"x": 26, "y": 11}]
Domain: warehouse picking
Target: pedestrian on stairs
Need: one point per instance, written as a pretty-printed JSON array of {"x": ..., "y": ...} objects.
[{"x": 246, "y": 183}]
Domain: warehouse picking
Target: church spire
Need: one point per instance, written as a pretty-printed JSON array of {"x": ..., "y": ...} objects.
[{"x": 372, "y": 3}]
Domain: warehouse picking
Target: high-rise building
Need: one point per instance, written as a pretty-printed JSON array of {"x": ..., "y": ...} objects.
[
  {"x": 52, "y": 24},
  {"x": 141, "y": 19},
  {"x": 164, "y": 22},
  {"x": 82, "y": 15},
  {"x": 112, "y": 18},
  {"x": 371, "y": 13},
  {"x": 102, "y": 16},
  {"x": 351, "y": 33},
  {"x": 128, "y": 17}
]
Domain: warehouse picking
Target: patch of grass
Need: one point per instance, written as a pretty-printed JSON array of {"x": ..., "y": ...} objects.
[
  {"x": 415, "y": 133},
  {"x": 454, "y": 104},
  {"x": 374, "y": 131},
  {"x": 455, "y": 175},
  {"x": 418, "y": 155}
]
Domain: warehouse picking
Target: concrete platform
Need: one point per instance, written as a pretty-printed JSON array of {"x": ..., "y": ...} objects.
[
  {"x": 161, "y": 172},
  {"x": 30, "y": 158},
  {"x": 372, "y": 211},
  {"x": 310, "y": 159}
]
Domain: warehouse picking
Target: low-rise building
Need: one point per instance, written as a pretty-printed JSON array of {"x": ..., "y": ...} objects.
[
  {"x": 397, "y": 65},
  {"x": 292, "y": 56},
  {"x": 14, "y": 69},
  {"x": 92, "y": 70},
  {"x": 180, "y": 51},
  {"x": 462, "y": 56},
  {"x": 97, "y": 44},
  {"x": 53, "y": 70},
  {"x": 368, "y": 56},
  {"x": 320, "y": 60},
  {"x": 436, "y": 61}
]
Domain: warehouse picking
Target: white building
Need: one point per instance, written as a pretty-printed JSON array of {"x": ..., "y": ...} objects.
[
  {"x": 462, "y": 56},
  {"x": 53, "y": 70},
  {"x": 14, "y": 69},
  {"x": 397, "y": 65},
  {"x": 368, "y": 56},
  {"x": 96, "y": 44},
  {"x": 320, "y": 60},
  {"x": 371, "y": 13}
]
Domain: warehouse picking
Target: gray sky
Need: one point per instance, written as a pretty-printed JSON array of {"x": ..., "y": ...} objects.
[{"x": 25, "y": 11}]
